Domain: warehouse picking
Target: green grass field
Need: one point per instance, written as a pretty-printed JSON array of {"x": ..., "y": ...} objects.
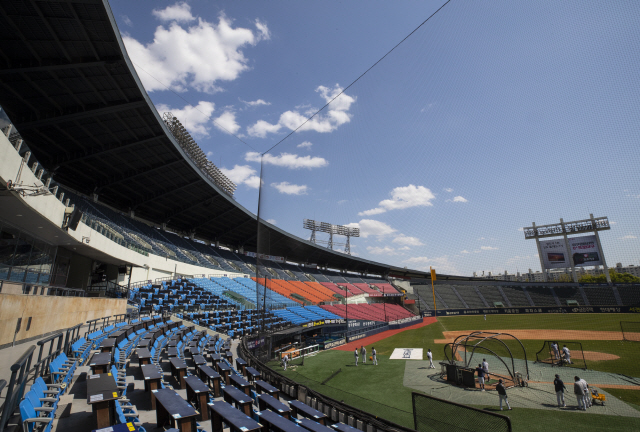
[{"x": 380, "y": 390}]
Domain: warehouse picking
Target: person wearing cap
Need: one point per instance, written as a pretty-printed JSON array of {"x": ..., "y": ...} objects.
[
  {"x": 355, "y": 353},
  {"x": 560, "y": 388},
  {"x": 363, "y": 353},
  {"x": 502, "y": 393}
]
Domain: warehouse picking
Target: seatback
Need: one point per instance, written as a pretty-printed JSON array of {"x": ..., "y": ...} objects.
[{"x": 27, "y": 412}]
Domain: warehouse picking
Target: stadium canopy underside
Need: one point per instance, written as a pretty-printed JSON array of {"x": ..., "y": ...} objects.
[{"x": 70, "y": 89}]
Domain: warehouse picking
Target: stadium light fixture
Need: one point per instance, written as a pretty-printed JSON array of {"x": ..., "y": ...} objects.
[{"x": 331, "y": 229}]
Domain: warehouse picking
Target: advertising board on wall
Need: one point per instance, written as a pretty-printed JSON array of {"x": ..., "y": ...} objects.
[{"x": 583, "y": 249}]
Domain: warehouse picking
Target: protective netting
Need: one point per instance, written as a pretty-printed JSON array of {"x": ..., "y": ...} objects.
[
  {"x": 431, "y": 414},
  {"x": 504, "y": 353},
  {"x": 554, "y": 353},
  {"x": 630, "y": 330}
]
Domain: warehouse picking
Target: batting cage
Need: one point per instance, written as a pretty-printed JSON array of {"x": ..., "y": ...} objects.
[
  {"x": 504, "y": 353},
  {"x": 431, "y": 414},
  {"x": 562, "y": 353},
  {"x": 630, "y": 330}
]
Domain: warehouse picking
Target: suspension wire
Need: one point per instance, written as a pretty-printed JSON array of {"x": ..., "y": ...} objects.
[{"x": 357, "y": 79}]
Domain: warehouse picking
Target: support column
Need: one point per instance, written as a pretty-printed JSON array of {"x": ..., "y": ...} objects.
[
  {"x": 566, "y": 245},
  {"x": 542, "y": 269},
  {"x": 604, "y": 261}
]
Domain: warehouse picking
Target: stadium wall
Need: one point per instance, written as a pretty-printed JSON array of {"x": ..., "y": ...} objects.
[
  {"x": 50, "y": 313},
  {"x": 533, "y": 310}
]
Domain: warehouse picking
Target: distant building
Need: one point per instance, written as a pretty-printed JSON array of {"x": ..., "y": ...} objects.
[{"x": 555, "y": 275}]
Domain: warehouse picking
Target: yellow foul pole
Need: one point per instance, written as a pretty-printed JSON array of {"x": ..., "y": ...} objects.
[{"x": 433, "y": 290}]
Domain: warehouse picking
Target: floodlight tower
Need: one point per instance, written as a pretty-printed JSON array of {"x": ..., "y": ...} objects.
[{"x": 331, "y": 230}]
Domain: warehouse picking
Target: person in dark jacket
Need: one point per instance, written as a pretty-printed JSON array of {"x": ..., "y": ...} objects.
[
  {"x": 502, "y": 392},
  {"x": 560, "y": 388}
]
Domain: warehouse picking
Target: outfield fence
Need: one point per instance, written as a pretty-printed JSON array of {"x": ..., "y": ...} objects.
[{"x": 431, "y": 414}]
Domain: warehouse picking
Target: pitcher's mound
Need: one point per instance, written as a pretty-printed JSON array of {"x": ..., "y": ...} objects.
[{"x": 598, "y": 356}]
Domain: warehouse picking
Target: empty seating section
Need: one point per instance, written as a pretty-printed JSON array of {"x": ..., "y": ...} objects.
[
  {"x": 492, "y": 295},
  {"x": 600, "y": 296},
  {"x": 565, "y": 293},
  {"x": 470, "y": 296},
  {"x": 370, "y": 312},
  {"x": 449, "y": 297},
  {"x": 367, "y": 289},
  {"x": 386, "y": 288},
  {"x": 425, "y": 294},
  {"x": 336, "y": 289},
  {"x": 541, "y": 296},
  {"x": 630, "y": 295},
  {"x": 516, "y": 296}
]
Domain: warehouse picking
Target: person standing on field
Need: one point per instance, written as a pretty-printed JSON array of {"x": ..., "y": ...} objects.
[
  {"x": 374, "y": 355},
  {"x": 560, "y": 388},
  {"x": 363, "y": 353},
  {"x": 430, "y": 357},
  {"x": 586, "y": 402},
  {"x": 285, "y": 360},
  {"x": 502, "y": 393},
  {"x": 480, "y": 372},
  {"x": 355, "y": 352},
  {"x": 556, "y": 351},
  {"x": 578, "y": 390},
  {"x": 567, "y": 354},
  {"x": 485, "y": 366}
]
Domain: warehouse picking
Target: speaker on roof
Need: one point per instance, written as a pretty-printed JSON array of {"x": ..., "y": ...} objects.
[{"x": 74, "y": 219}]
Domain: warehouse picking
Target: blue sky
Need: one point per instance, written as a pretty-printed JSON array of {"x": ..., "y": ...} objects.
[{"x": 490, "y": 116}]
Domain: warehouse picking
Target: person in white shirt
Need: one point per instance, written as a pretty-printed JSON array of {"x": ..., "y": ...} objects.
[
  {"x": 374, "y": 355},
  {"x": 578, "y": 390},
  {"x": 355, "y": 352},
  {"x": 567, "y": 354},
  {"x": 586, "y": 402},
  {"x": 556, "y": 351},
  {"x": 485, "y": 366},
  {"x": 285, "y": 359},
  {"x": 430, "y": 357},
  {"x": 363, "y": 353}
]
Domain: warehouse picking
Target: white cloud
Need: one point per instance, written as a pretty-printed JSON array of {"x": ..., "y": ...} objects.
[
  {"x": 465, "y": 252},
  {"x": 255, "y": 102},
  {"x": 335, "y": 116},
  {"x": 242, "y": 174},
  {"x": 448, "y": 189},
  {"x": 458, "y": 199},
  {"x": 227, "y": 122},
  {"x": 376, "y": 250},
  {"x": 305, "y": 144},
  {"x": 290, "y": 189},
  {"x": 288, "y": 160},
  {"x": 406, "y": 240},
  {"x": 520, "y": 229},
  {"x": 194, "y": 118},
  {"x": 481, "y": 238},
  {"x": 196, "y": 56},
  {"x": 343, "y": 201},
  {"x": 127, "y": 20},
  {"x": 404, "y": 248},
  {"x": 271, "y": 221},
  {"x": 369, "y": 227},
  {"x": 612, "y": 223},
  {"x": 518, "y": 259},
  {"x": 180, "y": 12},
  {"x": 440, "y": 264},
  {"x": 488, "y": 248},
  {"x": 628, "y": 237},
  {"x": 263, "y": 31},
  {"x": 401, "y": 198}
]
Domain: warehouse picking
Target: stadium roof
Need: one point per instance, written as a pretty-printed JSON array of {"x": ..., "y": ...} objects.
[{"x": 72, "y": 92}]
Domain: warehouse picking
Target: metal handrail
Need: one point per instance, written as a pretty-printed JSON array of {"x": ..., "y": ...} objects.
[{"x": 19, "y": 374}]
